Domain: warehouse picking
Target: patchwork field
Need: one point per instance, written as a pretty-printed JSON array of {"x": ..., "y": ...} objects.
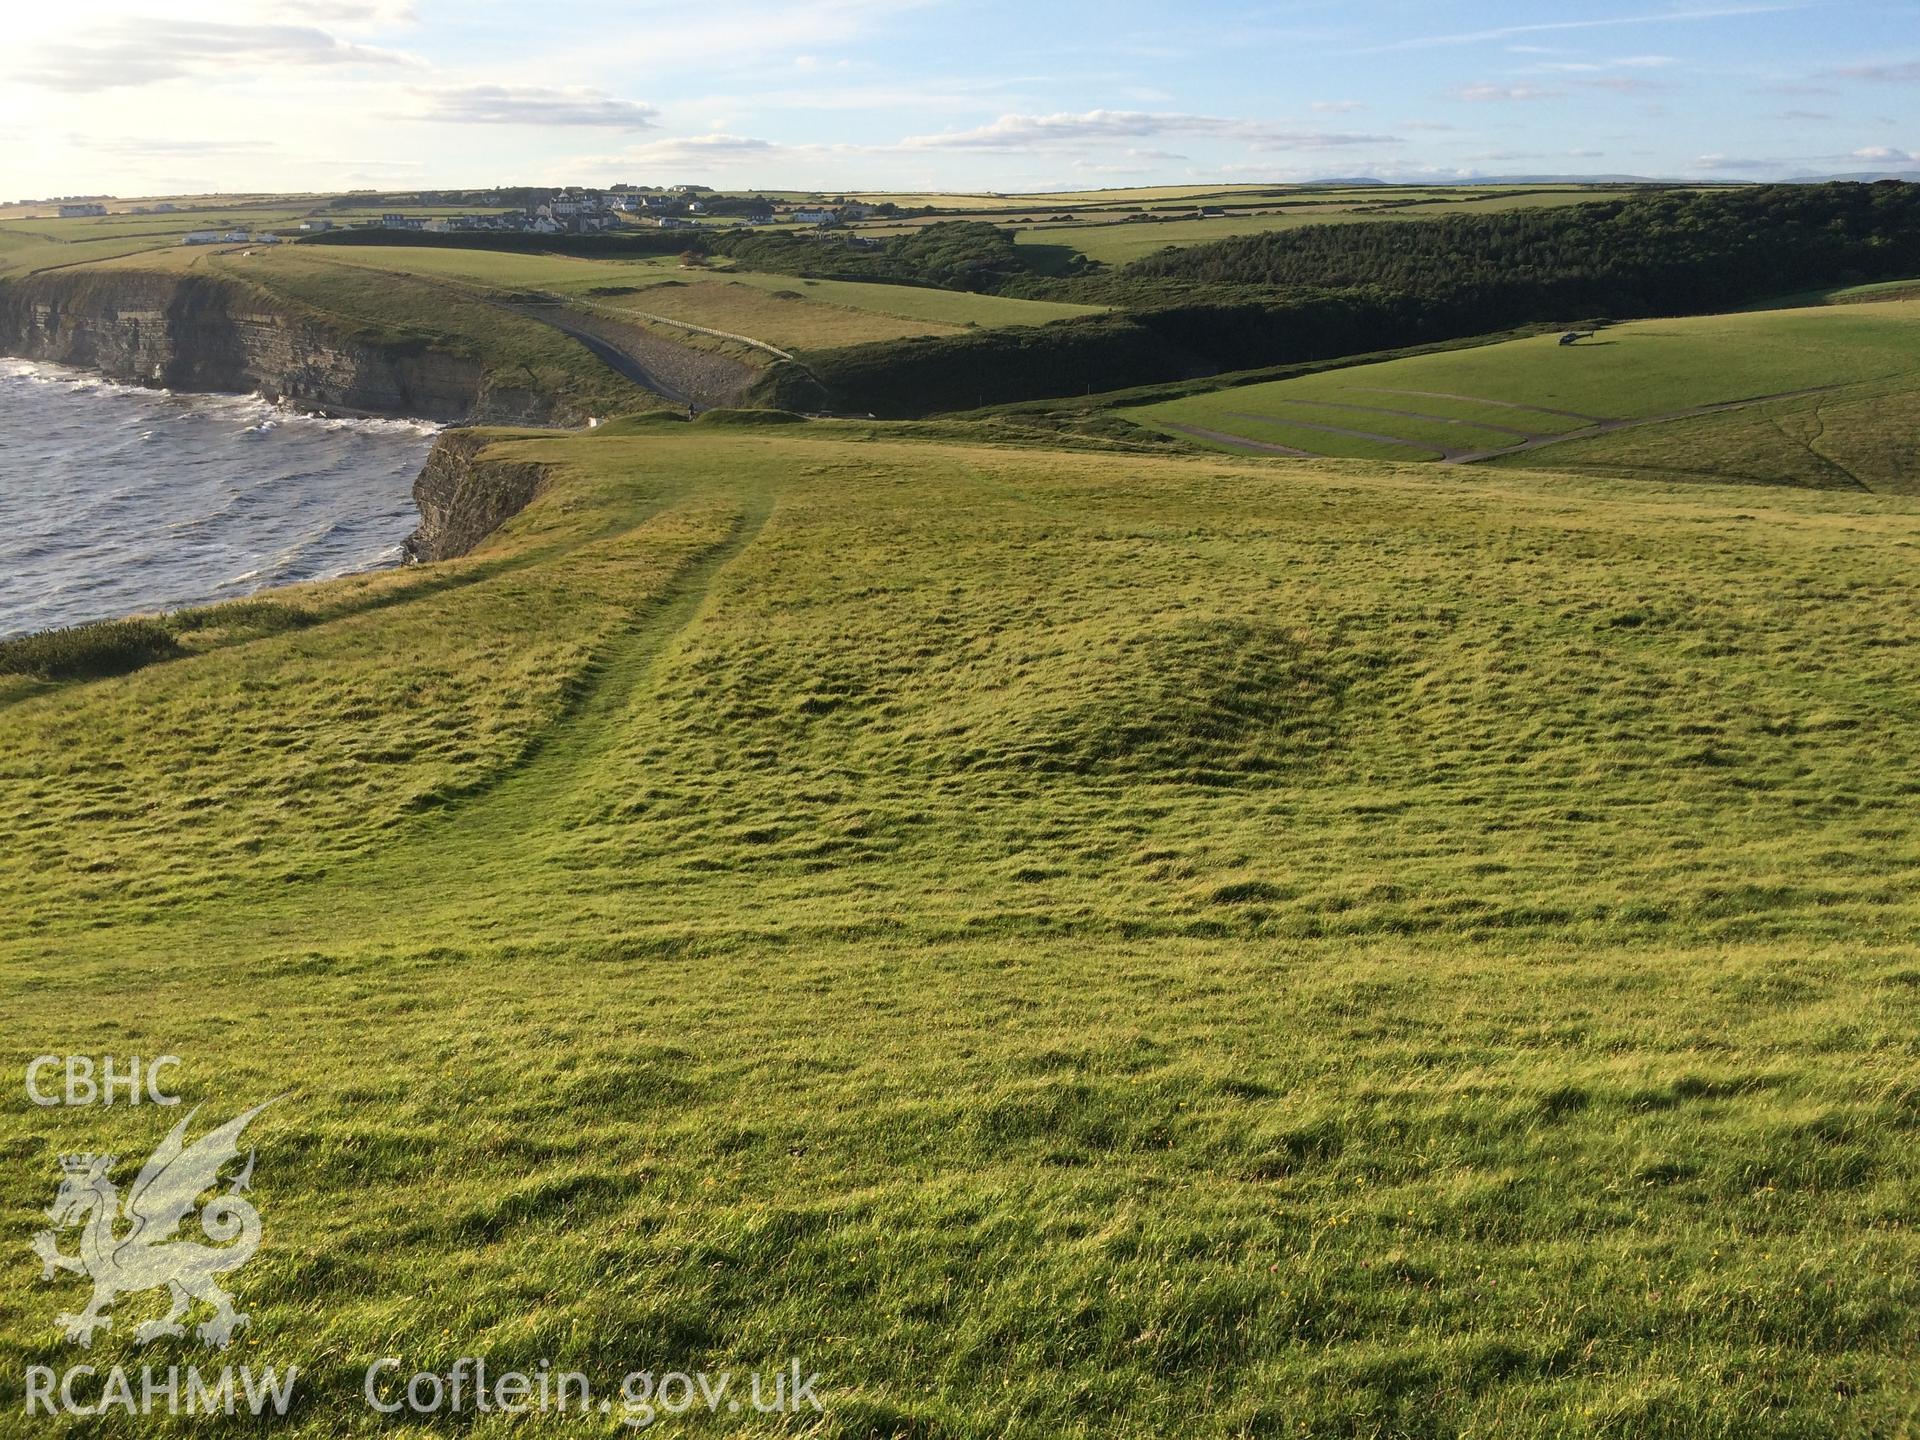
[
  {"x": 1061, "y": 943},
  {"x": 1091, "y": 223},
  {"x": 782, "y": 310},
  {"x": 1109, "y": 238},
  {"x": 1620, "y": 400},
  {"x": 386, "y": 285}
]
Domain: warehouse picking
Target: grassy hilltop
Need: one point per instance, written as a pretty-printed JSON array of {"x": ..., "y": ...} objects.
[{"x": 1065, "y": 942}]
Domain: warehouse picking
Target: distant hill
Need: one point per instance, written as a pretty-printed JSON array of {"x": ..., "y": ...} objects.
[
  {"x": 1862, "y": 176},
  {"x": 1569, "y": 180},
  {"x": 1866, "y": 176},
  {"x": 1473, "y": 180}
]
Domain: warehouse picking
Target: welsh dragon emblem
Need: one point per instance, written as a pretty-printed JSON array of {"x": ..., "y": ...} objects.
[{"x": 149, "y": 1254}]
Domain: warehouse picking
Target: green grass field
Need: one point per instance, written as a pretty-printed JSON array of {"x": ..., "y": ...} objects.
[
  {"x": 25, "y": 252},
  {"x": 781, "y": 310},
  {"x": 1061, "y": 943},
  {"x": 29, "y": 243},
  {"x": 1861, "y": 356}
]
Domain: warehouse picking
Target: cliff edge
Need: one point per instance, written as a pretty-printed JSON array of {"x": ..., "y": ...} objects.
[
  {"x": 463, "y": 498},
  {"x": 204, "y": 333}
]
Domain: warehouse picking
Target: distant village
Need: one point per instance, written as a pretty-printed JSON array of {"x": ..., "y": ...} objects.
[{"x": 577, "y": 212}]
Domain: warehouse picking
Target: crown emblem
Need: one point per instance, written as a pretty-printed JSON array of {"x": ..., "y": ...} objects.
[{"x": 85, "y": 1164}]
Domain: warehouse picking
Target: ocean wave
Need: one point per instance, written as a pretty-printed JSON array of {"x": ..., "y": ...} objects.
[
  {"x": 256, "y": 407},
  {"x": 162, "y": 500},
  {"x": 66, "y": 377}
]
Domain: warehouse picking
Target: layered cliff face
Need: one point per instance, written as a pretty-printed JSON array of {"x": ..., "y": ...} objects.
[
  {"x": 463, "y": 498},
  {"x": 188, "y": 332}
]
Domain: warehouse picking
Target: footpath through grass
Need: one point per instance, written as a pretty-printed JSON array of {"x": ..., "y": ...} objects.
[{"x": 1061, "y": 944}]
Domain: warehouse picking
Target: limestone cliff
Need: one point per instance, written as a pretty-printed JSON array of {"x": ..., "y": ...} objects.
[
  {"x": 463, "y": 498},
  {"x": 189, "y": 332}
]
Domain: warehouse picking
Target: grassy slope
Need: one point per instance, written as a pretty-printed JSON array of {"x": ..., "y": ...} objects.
[
  {"x": 1865, "y": 437},
  {"x": 1870, "y": 350},
  {"x": 28, "y": 244},
  {"x": 403, "y": 310},
  {"x": 828, "y": 312},
  {"x": 24, "y": 252},
  {"x": 378, "y": 306},
  {"x": 1062, "y": 945}
]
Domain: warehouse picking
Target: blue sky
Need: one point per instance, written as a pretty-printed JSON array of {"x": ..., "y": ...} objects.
[{"x": 185, "y": 95}]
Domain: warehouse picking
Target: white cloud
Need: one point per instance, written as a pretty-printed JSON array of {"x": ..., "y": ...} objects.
[
  {"x": 1474, "y": 37},
  {"x": 1620, "y": 84},
  {"x": 1628, "y": 62},
  {"x": 1904, "y": 72},
  {"x": 149, "y": 149},
  {"x": 701, "y": 150},
  {"x": 1022, "y": 132},
  {"x": 1486, "y": 91},
  {"x": 145, "y": 52},
  {"x": 535, "y": 105}
]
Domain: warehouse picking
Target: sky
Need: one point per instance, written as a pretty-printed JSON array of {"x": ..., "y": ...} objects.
[{"x": 153, "y": 97}]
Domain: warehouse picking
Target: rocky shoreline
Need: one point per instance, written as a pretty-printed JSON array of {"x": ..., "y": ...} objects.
[
  {"x": 191, "y": 334},
  {"x": 196, "y": 333}
]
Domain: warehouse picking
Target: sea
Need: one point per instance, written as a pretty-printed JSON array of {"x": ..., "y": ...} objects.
[{"x": 116, "y": 499}]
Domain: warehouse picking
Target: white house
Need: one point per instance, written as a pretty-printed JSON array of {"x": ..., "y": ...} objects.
[
  {"x": 816, "y": 217},
  {"x": 201, "y": 237},
  {"x": 69, "y": 212}
]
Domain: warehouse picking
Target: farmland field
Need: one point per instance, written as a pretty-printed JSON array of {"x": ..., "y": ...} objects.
[
  {"x": 1116, "y": 241},
  {"x": 779, "y": 309},
  {"x": 24, "y": 253},
  {"x": 1468, "y": 401},
  {"x": 1064, "y": 944}
]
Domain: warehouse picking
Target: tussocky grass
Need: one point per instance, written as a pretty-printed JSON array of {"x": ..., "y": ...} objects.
[{"x": 1060, "y": 943}]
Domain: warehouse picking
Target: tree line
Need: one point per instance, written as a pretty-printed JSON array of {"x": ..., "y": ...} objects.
[{"x": 1660, "y": 254}]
